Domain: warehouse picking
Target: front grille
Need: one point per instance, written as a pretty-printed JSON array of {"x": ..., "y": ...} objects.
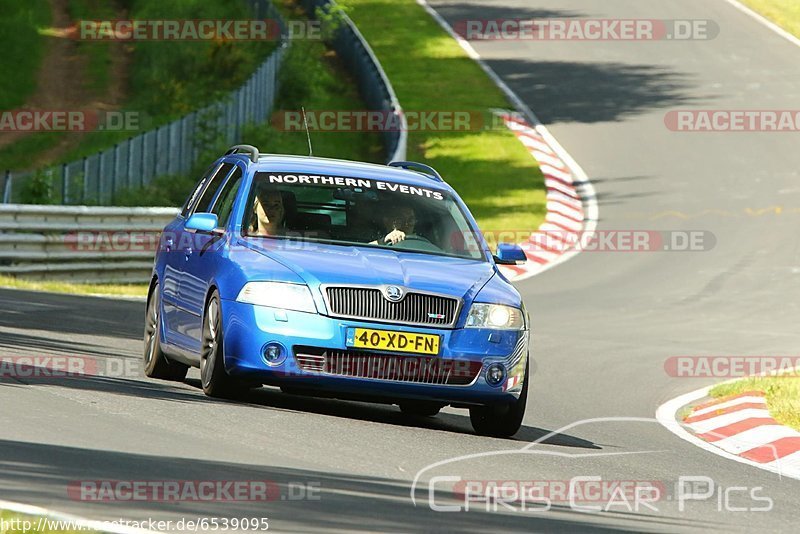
[
  {"x": 414, "y": 309},
  {"x": 396, "y": 368}
]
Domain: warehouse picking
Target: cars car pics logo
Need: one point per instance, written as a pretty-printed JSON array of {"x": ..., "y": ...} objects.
[{"x": 393, "y": 293}]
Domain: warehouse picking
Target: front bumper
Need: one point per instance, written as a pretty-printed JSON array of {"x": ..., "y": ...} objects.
[{"x": 248, "y": 329}]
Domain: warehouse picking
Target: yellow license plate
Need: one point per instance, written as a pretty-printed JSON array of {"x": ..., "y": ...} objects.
[{"x": 365, "y": 338}]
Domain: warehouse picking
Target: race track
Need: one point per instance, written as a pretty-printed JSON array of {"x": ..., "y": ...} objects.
[{"x": 604, "y": 322}]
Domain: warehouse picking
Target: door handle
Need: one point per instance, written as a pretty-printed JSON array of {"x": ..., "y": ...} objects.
[
  {"x": 188, "y": 253},
  {"x": 169, "y": 244}
]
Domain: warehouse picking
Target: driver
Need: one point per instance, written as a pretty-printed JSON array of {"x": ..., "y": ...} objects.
[{"x": 398, "y": 221}]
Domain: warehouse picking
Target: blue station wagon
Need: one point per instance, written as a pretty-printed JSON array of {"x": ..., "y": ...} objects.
[{"x": 339, "y": 279}]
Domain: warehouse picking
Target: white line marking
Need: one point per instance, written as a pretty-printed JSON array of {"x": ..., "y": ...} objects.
[
  {"x": 709, "y": 425},
  {"x": 765, "y": 21},
  {"x": 730, "y": 404}
]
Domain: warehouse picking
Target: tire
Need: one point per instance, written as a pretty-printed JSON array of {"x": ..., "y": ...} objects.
[
  {"x": 156, "y": 364},
  {"x": 501, "y": 421},
  {"x": 214, "y": 378},
  {"x": 420, "y": 408}
]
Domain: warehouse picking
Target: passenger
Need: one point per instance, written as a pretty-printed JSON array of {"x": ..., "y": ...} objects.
[{"x": 269, "y": 213}]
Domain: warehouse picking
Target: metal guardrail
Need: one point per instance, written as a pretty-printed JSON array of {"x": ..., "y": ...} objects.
[
  {"x": 169, "y": 149},
  {"x": 373, "y": 84},
  {"x": 80, "y": 243}
]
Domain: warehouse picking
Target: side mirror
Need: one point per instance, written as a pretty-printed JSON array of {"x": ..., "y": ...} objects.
[
  {"x": 509, "y": 254},
  {"x": 202, "y": 222}
]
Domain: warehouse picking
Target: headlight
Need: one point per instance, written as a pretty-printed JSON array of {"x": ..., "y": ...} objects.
[
  {"x": 278, "y": 295},
  {"x": 495, "y": 316}
]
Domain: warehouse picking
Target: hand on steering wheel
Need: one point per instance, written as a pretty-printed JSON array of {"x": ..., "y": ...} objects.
[{"x": 394, "y": 237}]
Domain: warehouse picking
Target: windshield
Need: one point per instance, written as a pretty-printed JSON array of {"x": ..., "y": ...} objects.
[{"x": 357, "y": 211}]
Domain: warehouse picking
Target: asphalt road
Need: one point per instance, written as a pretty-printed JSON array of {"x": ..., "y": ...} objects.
[{"x": 604, "y": 323}]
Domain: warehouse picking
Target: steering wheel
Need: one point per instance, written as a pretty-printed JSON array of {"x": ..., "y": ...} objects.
[{"x": 422, "y": 243}]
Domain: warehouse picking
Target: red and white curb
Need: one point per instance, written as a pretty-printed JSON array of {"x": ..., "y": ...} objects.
[
  {"x": 739, "y": 428},
  {"x": 742, "y": 425},
  {"x": 565, "y": 216},
  {"x": 571, "y": 200}
]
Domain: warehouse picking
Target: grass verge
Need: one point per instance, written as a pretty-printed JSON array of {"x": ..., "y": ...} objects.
[
  {"x": 167, "y": 79},
  {"x": 72, "y": 288},
  {"x": 785, "y": 13},
  {"x": 23, "y": 48},
  {"x": 490, "y": 168},
  {"x": 782, "y": 394}
]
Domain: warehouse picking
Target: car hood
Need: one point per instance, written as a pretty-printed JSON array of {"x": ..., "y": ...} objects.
[{"x": 323, "y": 264}]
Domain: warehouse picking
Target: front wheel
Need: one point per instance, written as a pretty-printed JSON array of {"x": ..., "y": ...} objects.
[
  {"x": 501, "y": 421},
  {"x": 156, "y": 364},
  {"x": 214, "y": 378}
]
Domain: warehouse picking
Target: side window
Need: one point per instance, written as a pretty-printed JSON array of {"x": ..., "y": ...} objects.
[
  {"x": 224, "y": 204},
  {"x": 211, "y": 189},
  {"x": 197, "y": 190}
]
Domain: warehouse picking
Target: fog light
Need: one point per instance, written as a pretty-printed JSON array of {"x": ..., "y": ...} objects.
[
  {"x": 274, "y": 353},
  {"x": 495, "y": 374}
]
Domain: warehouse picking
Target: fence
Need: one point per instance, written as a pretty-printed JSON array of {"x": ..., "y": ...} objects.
[
  {"x": 79, "y": 243},
  {"x": 170, "y": 149},
  {"x": 373, "y": 84}
]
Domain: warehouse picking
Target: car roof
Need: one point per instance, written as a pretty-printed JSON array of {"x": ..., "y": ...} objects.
[{"x": 345, "y": 168}]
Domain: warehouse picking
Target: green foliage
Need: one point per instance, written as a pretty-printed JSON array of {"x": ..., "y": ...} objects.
[
  {"x": 38, "y": 189},
  {"x": 171, "y": 78},
  {"x": 22, "y": 48}
]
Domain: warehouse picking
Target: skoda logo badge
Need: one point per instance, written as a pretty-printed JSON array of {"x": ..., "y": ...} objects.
[{"x": 393, "y": 293}]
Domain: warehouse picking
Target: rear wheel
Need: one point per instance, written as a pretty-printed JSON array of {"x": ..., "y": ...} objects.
[
  {"x": 214, "y": 378},
  {"x": 501, "y": 421},
  {"x": 420, "y": 408},
  {"x": 156, "y": 364}
]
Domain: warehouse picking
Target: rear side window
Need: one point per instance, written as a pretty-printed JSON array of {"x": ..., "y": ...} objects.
[
  {"x": 198, "y": 190},
  {"x": 224, "y": 204},
  {"x": 211, "y": 189}
]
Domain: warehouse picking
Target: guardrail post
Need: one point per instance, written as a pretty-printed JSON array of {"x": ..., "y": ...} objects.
[
  {"x": 129, "y": 170},
  {"x": 100, "y": 173},
  {"x": 85, "y": 191},
  {"x": 7, "y": 188},
  {"x": 114, "y": 172},
  {"x": 144, "y": 160},
  {"x": 64, "y": 183}
]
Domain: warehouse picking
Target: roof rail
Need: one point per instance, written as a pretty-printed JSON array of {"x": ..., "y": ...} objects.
[
  {"x": 244, "y": 148},
  {"x": 419, "y": 167}
]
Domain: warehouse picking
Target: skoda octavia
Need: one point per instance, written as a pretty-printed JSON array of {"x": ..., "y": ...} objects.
[{"x": 340, "y": 279}]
